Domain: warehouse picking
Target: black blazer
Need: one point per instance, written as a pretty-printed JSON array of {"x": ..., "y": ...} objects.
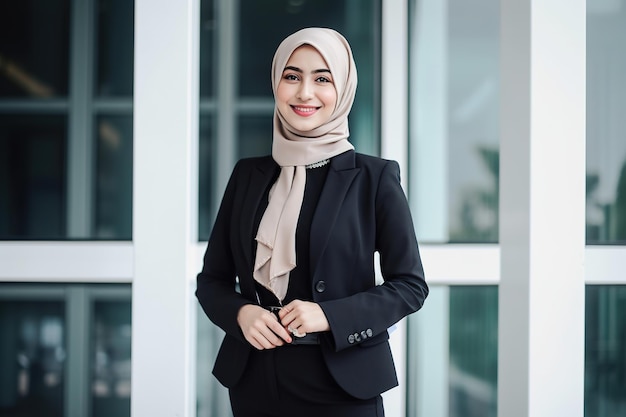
[{"x": 362, "y": 209}]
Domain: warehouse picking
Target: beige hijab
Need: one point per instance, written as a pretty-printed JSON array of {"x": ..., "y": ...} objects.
[{"x": 293, "y": 150}]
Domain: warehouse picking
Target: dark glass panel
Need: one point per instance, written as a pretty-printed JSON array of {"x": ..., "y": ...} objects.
[
  {"x": 255, "y": 136},
  {"x": 473, "y": 351},
  {"x": 208, "y": 26},
  {"x": 115, "y": 40},
  {"x": 32, "y": 177},
  {"x": 34, "y": 48},
  {"x": 114, "y": 178},
  {"x": 205, "y": 171},
  {"x": 32, "y": 358},
  {"x": 111, "y": 363},
  {"x": 605, "y": 351}
]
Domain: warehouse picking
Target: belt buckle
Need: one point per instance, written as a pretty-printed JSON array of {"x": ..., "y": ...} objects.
[{"x": 274, "y": 310}]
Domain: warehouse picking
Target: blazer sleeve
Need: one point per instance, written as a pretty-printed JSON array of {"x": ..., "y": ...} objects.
[
  {"x": 365, "y": 316},
  {"x": 217, "y": 281}
]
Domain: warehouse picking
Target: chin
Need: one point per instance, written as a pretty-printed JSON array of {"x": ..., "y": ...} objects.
[{"x": 304, "y": 126}]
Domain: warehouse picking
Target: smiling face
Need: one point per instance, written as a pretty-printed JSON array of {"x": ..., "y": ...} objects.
[{"x": 306, "y": 95}]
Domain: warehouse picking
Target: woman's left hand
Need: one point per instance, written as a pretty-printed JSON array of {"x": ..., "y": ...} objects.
[{"x": 302, "y": 317}]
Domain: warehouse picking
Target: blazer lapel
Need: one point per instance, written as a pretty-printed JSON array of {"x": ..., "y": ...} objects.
[
  {"x": 260, "y": 178},
  {"x": 340, "y": 175}
]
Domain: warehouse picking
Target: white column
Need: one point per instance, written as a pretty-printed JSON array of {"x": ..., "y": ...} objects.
[
  {"x": 394, "y": 145},
  {"x": 394, "y": 84},
  {"x": 165, "y": 207},
  {"x": 542, "y": 208}
]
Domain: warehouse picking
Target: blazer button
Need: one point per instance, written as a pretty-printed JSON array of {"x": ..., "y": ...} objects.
[
  {"x": 364, "y": 335},
  {"x": 351, "y": 339},
  {"x": 369, "y": 332},
  {"x": 357, "y": 337},
  {"x": 320, "y": 286}
]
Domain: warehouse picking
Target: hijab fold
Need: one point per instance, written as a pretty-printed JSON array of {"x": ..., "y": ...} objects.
[{"x": 293, "y": 150}]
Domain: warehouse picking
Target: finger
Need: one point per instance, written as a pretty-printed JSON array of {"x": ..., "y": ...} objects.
[
  {"x": 292, "y": 307},
  {"x": 255, "y": 344},
  {"x": 273, "y": 331},
  {"x": 279, "y": 331},
  {"x": 289, "y": 313},
  {"x": 262, "y": 341}
]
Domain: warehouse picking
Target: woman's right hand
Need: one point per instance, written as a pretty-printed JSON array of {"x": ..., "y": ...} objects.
[{"x": 261, "y": 328}]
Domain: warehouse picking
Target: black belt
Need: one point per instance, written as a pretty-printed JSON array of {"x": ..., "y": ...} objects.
[{"x": 307, "y": 339}]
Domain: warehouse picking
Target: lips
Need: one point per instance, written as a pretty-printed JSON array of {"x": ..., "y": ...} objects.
[{"x": 304, "y": 111}]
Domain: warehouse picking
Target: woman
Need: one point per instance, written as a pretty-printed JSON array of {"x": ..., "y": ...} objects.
[{"x": 306, "y": 331}]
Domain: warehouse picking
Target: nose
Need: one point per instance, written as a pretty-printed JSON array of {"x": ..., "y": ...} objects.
[{"x": 305, "y": 92}]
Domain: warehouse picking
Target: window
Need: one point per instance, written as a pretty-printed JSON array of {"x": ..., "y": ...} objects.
[
  {"x": 65, "y": 350},
  {"x": 453, "y": 367},
  {"x": 605, "y": 351},
  {"x": 453, "y": 122},
  {"x": 606, "y": 127},
  {"x": 66, "y": 86}
]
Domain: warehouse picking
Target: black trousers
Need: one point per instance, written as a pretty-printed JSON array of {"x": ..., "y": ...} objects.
[{"x": 293, "y": 381}]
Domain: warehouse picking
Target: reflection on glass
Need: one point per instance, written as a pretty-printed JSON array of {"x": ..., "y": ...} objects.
[
  {"x": 453, "y": 353},
  {"x": 606, "y": 130},
  {"x": 453, "y": 124},
  {"x": 114, "y": 177},
  {"x": 208, "y": 26},
  {"x": 205, "y": 172},
  {"x": 110, "y": 379},
  {"x": 32, "y": 177},
  {"x": 212, "y": 398},
  {"x": 34, "y": 48},
  {"x": 605, "y": 351},
  {"x": 473, "y": 351},
  {"x": 255, "y": 136},
  {"x": 32, "y": 358},
  {"x": 115, "y": 47}
]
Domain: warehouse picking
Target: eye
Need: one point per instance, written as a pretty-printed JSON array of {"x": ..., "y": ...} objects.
[
  {"x": 290, "y": 77},
  {"x": 323, "y": 80}
]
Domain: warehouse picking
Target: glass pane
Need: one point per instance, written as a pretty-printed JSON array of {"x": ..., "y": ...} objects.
[
  {"x": 205, "y": 171},
  {"x": 473, "y": 351},
  {"x": 264, "y": 25},
  {"x": 605, "y": 351},
  {"x": 212, "y": 397},
  {"x": 110, "y": 379},
  {"x": 34, "y": 48},
  {"x": 32, "y": 358},
  {"x": 208, "y": 27},
  {"x": 453, "y": 353},
  {"x": 32, "y": 177},
  {"x": 255, "y": 136},
  {"x": 115, "y": 48},
  {"x": 606, "y": 126},
  {"x": 454, "y": 137},
  {"x": 114, "y": 187}
]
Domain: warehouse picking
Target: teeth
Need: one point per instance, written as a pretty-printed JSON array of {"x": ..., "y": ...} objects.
[{"x": 305, "y": 109}]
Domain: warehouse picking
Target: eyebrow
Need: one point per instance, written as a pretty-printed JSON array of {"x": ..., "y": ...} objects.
[{"x": 296, "y": 69}]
